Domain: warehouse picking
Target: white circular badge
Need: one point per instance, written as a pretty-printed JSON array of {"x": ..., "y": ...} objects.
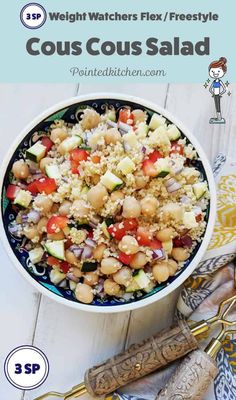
[
  {"x": 33, "y": 15},
  {"x": 26, "y": 367}
]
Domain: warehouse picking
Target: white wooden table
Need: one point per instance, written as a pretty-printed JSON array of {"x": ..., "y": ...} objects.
[{"x": 71, "y": 339}]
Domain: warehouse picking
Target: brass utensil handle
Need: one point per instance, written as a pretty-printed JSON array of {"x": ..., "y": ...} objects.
[
  {"x": 191, "y": 379},
  {"x": 140, "y": 360}
]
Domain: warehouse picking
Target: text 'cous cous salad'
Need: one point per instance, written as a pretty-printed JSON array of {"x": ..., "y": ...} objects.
[{"x": 113, "y": 205}]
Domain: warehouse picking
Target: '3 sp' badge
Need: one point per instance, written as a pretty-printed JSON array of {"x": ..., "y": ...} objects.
[{"x": 33, "y": 15}]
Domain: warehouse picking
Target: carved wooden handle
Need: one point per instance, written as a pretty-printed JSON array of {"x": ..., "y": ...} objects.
[
  {"x": 140, "y": 360},
  {"x": 191, "y": 379}
]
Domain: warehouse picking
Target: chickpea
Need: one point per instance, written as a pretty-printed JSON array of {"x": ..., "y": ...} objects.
[
  {"x": 64, "y": 208},
  {"x": 172, "y": 210},
  {"x": 160, "y": 271},
  {"x": 91, "y": 278},
  {"x": 111, "y": 288},
  {"x": 128, "y": 245},
  {"x": 117, "y": 195},
  {"x": 80, "y": 209},
  {"x": 165, "y": 234},
  {"x": 112, "y": 136},
  {"x": 123, "y": 276},
  {"x": 70, "y": 257},
  {"x": 41, "y": 227},
  {"x": 131, "y": 207},
  {"x": 99, "y": 251},
  {"x": 180, "y": 254},
  {"x": 77, "y": 272},
  {"x": 45, "y": 161},
  {"x": 97, "y": 196},
  {"x": 58, "y": 135},
  {"x": 90, "y": 119},
  {"x": 43, "y": 203},
  {"x": 84, "y": 293},
  {"x": 173, "y": 266},
  {"x": 56, "y": 236},
  {"x": 140, "y": 180},
  {"x": 55, "y": 208},
  {"x": 149, "y": 206},
  {"x": 20, "y": 169},
  {"x": 31, "y": 232},
  {"x": 139, "y": 260},
  {"x": 110, "y": 265}
]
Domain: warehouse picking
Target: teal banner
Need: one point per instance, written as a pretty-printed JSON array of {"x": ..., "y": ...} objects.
[{"x": 150, "y": 41}]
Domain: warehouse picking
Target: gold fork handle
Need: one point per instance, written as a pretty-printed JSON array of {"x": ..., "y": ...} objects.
[
  {"x": 191, "y": 379},
  {"x": 140, "y": 360}
]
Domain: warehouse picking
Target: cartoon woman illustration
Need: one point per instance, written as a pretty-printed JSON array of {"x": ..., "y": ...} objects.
[{"x": 217, "y": 69}]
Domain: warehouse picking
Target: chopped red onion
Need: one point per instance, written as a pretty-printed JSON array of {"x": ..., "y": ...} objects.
[
  {"x": 87, "y": 252},
  {"x": 92, "y": 224},
  {"x": 14, "y": 228},
  {"x": 185, "y": 200},
  {"x": 90, "y": 242},
  {"x": 173, "y": 188},
  {"x": 177, "y": 242},
  {"x": 159, "y": 254},
  {"x": 72, "y": 277},
  {"x": 37, "y": 176},
  {"x": 34, "y": 216},
  {"x": 124, "y": 127},
  {"x": 127, "y": 147},
  {"x": 24, "y": 218},
  {"x": 187, "y": 241},
  {"x": 144, "y": 149},
  {"x": 177, "y": 170},
  {"x": 76, "y": 250},
  {"x": 112, "y": 123},
  {"x": 170, "y": 182}
]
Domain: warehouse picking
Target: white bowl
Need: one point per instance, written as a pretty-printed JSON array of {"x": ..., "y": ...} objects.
[{"x": 206, "y": 237}]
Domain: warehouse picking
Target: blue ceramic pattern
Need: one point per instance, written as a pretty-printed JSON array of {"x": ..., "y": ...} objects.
[{"x": 40, "y": 273}]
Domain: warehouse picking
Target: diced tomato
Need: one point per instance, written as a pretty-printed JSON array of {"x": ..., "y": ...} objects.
[
  {"x": 130, "y": 224},
  {"x": 64, "y": 266},
  {"x": 143, "y": 236},
  {"x": 199, "y": 217},
  {"x": 117, "y": 230},
  {"x": 125, "y": 258},
  {"x": 47, "y": 143},
  {"x": 12, "y": 191},
  {"x": 46, "y": 185},
  {"x": 74, "y": 167},
  {"x": 78, "y": 155},
  {"x": 53, "y": 261},
  {"x": 149, "y": 168},
  {"x": 33, "y": 187},
  {"x": 55, "y": 223},
  {"x": 177, "y": 148},
  {"x": 154, "y": 156},
  {"x": 126, "y": 116},
  {"x": 155, "y": 244},
  {"x": 95, "y": 159}
]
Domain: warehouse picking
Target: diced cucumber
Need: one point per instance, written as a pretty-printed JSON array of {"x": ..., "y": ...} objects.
[
  {"x": 53, "y": 171},
  {"x": 168, "y": 246},
  {"x": 173, "y": 132},
  {"x": 70, "y": 143},
  {"x": 126, "y": 166},
  {"x": 199, "y": 189},
  {"x": 56, "y": 276},
  {"x": 189, "y": 220},
  {"x": 141, "y": 279},
  {"x": 105, "y": 231},
  {"x": 133, "y": 287},
  {"x": 111, "y": 181},
  {"x": 84, "y": 147},
  {"x": 36, "y": 255},
  {"x": 156, "y": 121},
  {"x": 56, "y": 248},
  {"x": 111, "y": 115},
  {"x": 72, "y": 285},
  {"x": 150, "y": 287},
  {"x": 36, "y": 152},
  {"x": 84, "y": 189},
  {"x": 163, "y": 168},
  {"x": 89, "y": 266},
  {"x": 23, "y": 198},
  {"x": 142, "y": 130},
  {"x": 130, "y": 139}
]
